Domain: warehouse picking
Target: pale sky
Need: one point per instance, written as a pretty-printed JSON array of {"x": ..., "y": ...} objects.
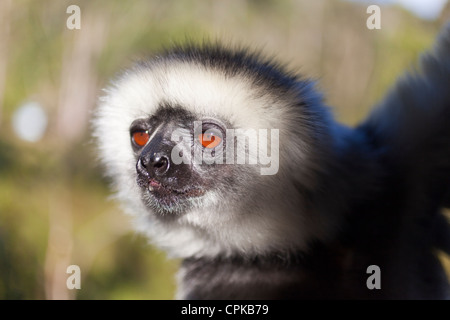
[{"x": 425, "y": 9}]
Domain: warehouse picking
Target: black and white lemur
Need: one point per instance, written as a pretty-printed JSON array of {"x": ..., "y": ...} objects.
[{"x": 235, "y": 165}]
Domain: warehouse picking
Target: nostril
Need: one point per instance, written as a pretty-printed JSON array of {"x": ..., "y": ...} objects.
[
  {"x": 160, "y": 164},
  {"x": 141, "y": 168},
  {"x": 142, "y": 163}
]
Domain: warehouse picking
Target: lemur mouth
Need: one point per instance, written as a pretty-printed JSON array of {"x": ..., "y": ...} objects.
[{"x": 164, "y": 191}]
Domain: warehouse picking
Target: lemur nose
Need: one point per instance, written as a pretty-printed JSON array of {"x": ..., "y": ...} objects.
[
  {"x": 155, "y": 165},
  {"x": 159, "y": 164}
]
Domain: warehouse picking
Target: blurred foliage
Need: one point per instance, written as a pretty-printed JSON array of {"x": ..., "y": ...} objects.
[{"x": 54, "y": 203}]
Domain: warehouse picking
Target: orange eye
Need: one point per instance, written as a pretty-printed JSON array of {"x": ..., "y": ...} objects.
[
  {"x": 140, "y": 138},
  {"x": 209, "y": 140}
]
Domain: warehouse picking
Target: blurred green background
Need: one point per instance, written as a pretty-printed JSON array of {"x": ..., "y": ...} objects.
[{"x": 55, "y": 205}]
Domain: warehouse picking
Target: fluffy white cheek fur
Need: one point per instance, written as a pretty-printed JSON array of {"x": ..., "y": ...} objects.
[{"x": 217, "y": 227}]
